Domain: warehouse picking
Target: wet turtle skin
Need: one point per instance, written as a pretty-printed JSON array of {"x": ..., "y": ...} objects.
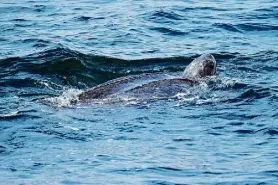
[{"x": 148, "y": 86}]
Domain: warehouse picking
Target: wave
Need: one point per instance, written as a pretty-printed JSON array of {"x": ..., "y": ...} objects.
[
  {"x": 257, "y": 27},
  {"x": 61, "y": 55},
  {"x": 52, "y": 71},
  {"x": 169, "y": 31},
  {"x": 226, "y": 26},
  {"x": 65, "y": 61},
  {"x": 205, "y": 8},
  {"x": 246, "y": 27},
  {"x": 163, "y": 16},
  {"x": 25, "y": 9}
]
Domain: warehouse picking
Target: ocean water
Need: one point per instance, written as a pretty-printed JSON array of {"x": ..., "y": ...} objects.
[{"x": 223, "y": 131}]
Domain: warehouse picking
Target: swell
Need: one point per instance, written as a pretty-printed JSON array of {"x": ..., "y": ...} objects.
[
  {"x": 166, "y": 15},
  {"x": 66, "y": 67},
  {"x": 246, "y": 27},
  {"x": 25, "y": 9}
]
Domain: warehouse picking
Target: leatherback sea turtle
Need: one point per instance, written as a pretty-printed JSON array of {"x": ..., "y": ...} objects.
[{"x": 153, "y": 86}]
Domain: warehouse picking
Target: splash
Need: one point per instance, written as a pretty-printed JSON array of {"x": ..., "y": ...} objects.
[
  {"x": 210, "y": 90},
  {"x": 66, "y": 99}
]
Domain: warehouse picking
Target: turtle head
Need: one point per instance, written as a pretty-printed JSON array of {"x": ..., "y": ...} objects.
[{"x": 204, "y": 65}]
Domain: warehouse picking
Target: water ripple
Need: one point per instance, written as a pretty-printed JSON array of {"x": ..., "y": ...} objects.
[
  {"x": 221, "y": 131},
  {"x": 169, "y": 31}
]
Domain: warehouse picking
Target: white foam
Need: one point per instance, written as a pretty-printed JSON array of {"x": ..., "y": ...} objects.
[
  {"x": 210, "y": 90},
  {"x": 65, "y": 99},
  {"x": 14, "y": 113}
]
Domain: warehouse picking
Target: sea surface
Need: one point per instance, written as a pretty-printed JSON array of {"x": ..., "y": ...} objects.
[{"x": 225, "y": 131}]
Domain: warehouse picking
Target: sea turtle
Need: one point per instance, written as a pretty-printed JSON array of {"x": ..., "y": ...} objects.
[{"x": 152, "y": 86}]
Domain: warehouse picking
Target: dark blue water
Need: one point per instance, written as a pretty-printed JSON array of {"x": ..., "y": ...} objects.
[{"x": 222, "y": 132}]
